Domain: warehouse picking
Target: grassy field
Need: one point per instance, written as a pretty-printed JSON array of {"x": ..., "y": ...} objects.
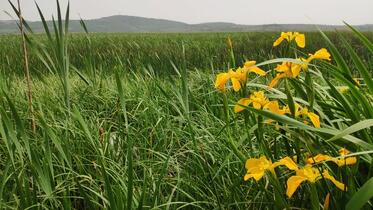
[
  {"x": 156, "y": 121},
  {"x": 203, "y": 51}
]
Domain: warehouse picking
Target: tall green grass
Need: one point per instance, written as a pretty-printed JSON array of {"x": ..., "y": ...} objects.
[
  {"x": 139, "y": 51},
  {"x": 137, "y": 124}
]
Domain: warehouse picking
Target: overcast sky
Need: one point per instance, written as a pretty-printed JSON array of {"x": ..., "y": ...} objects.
[{"x": 197, "y": 11}]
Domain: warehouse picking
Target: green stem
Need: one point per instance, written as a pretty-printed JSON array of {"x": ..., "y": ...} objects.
[
  {"x": 260, "y": 137},
  {"x": 289, "y": 98},
  {"x": 226, "y": 109},
  {"x": 230, "y": 141},
  {"x": 236, "y": 151},
  {"x": 314, "y": 198},
  {"x": 280, "y": 201},
  {"x": 311, "y": 93}
]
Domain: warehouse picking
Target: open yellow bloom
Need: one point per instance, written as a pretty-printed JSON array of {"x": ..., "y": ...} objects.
[
  {"x": 300, "y": 111},
  {"x": 292, "y": 70},
  {"x": 251, "y": 68},
  {"x": 274, "y": 107},
  {"x": 308, "y": 173},
  {"x": 345, "y": 161},
  {"x": 257, "y": 99},
  {"x": 243, "y": 102},
  {"x": 237, "y": 77},
  {"x": 288, "y": 162},
  {"x": 286, "y": 70},
  {"x": 289, "y": 68},
  {"x": 321, "y": 54},
  {"x": 318, "y": 158},
  {"x": 343, "y": 151},
  {"x": 339, "y": 161},
  {"x": 315, "y": 119},
  {"x": 256, "y": 168},
  {"x": 290, "y": 36},
  {"x": 221, "y": 80}
]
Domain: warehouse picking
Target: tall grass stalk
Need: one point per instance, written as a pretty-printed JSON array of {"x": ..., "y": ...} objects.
[{"x": 26, "y": 62}]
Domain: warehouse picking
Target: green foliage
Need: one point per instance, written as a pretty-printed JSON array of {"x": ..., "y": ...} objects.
[{"x": 132, "y": 121}]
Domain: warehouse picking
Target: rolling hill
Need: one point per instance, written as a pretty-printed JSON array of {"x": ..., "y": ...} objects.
[{"x": 123, "y": 23}]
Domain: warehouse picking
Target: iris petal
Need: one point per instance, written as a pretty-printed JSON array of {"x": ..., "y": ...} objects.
[
  {"x": 340, "y": 185},
  {"x": 257, "y": 71},
  {"x": 300, "y": 40},
  {"x": 288, "y": 162},
  {"x": 236, "y": 84},
  {"x": 241, "y": 104},
  {"x": 293, "y": 184},
  {"x": 278, "y": 41},
  {"x": 221, "y": 80},
  {"x": 315, "y": 119}
]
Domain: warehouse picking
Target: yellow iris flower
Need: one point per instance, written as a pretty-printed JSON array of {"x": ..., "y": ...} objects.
[
  {"x": 303, "y": 112},
  {"x": 237, "y": 77},
  {"x": 286, "y": 70},
  {"x": 318, "y": 158},
  {"x": 257, "y": 99},
  {"x": 292, "y": 70},
  {"x": 343, "y": 151},
  {"x": 311, "y": 174},
  {"x": 256, "y": 167},
  {"x": 321, "y": 54},
  {"x": 300, "y": 39},
  {"x": 251, "y": 68},
  {"x": 339, "y": 161},
  {"x": 288, "y": 162},
  {"x": 221, "y": 80},
  {"x": 274, "y": 107},
  {"x": 315, "y": 119}
]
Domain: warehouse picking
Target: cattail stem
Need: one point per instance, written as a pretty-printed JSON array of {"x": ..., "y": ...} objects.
[{"x": 27, "y": 69}]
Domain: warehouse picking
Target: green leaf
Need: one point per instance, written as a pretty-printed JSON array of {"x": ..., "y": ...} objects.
[
  {"x": 360, "y": 66},
  {"x": 289, "y": 98},
  {"x": 337, "y": 57},
  {"x": 363, "y": 38},
  {"x": 361, "y": 197},
  {"x": 354, "y": 128},
  {"x": 130, "y": 142},
  {"x": 300, "y": 125}
]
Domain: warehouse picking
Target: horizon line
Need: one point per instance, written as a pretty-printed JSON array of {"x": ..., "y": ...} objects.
[{"x": 90, "y": 19}]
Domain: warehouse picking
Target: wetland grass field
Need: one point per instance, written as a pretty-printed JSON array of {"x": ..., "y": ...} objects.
[{"x": 186, "y": 121}]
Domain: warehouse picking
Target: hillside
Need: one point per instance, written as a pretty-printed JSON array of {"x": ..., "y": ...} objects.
[{"x": 122, "y": 23}]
